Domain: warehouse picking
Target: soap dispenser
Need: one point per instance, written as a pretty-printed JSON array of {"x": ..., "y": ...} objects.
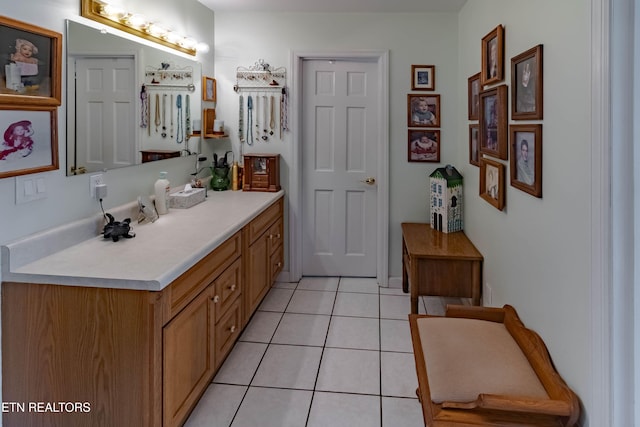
[{"x": 162, "y": 190}]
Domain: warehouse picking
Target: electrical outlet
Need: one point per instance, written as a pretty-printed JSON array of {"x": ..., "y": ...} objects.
[{"x": 95, "y": 180}]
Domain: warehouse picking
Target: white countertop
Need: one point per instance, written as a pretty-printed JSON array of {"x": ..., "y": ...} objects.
[{"x": 158, "y": 254}]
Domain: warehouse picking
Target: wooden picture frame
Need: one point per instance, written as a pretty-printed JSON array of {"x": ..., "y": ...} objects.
[
  {"x": 473, "y": 96},
  {"x": 492, "y": 186},
  {"x": 208, "y": 117},
  {"x": 526, "y": 85},
  {"x": 423, "y": 77},
  {"x": 493, "y": 57},
  {"x": 30, "y": 139},
  {"x": 33, "y": 71},
  {"x": 526, "y": 158},
  {"x": 474, "y": 145},
  {"x": 493, "y": 122},
  {"x": 423, "y": 111},
  {"x": 209, "y": 90},
  {"x": 423, "y": 146}
]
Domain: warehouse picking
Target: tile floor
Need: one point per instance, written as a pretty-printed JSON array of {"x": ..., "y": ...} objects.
[{"x": 322, "y": 352}]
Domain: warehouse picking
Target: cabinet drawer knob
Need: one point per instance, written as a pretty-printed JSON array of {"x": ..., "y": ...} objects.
[
  {"x": 232, "y": 329},
  {"x": 216, "y": 299},
  {"x": 279, "y": 265},
  {"x": 232, "y": 287}
]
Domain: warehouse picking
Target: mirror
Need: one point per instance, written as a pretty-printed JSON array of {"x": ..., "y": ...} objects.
[{"x": 127, "y": 102}]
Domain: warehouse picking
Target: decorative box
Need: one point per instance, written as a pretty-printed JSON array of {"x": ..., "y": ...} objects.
[
  {"x": 186, "y": 198},
  {"x": 261, "y": 172},
  {"x": 446, "y": 199}
]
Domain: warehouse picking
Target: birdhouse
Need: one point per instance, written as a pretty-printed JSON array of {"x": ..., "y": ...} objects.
[{"x": 446, "y": 199}]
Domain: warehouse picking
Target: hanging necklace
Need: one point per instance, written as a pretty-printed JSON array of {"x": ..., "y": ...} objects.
[
  {"x": 265, "y": 106},
  {"x": 241, "y": 119},
  {"x": 171, "y": 104},
  {"x": 144, "y": 110},
  {"x": 187, "y": 123},
  {"x": 272, "y": 122},
  {"x": 157, "y": 118},
  {"x": 164, "y": 115},
  {"x": 249, "y": 120},
  {"x": 179, "y": 135}
]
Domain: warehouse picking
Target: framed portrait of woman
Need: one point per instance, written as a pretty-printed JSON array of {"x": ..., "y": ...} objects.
[
  {"x": 493, "y": 57},
  {"x": 492, "y": 183},
  {"x": 526, "y": 85},
  {"x": 493, "y": 122},
  {"x": 526, "y": 158},
  {"x": 32, "y": 72},
  {"x": 473, "y": 89}
]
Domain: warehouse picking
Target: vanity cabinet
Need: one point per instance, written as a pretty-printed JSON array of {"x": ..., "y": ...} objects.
[
  {"x": 135, "y": 357},
  {"x": 264, "y": 249}
]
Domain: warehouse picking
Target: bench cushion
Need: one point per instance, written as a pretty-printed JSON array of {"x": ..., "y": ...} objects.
[{"x": 468, "y": 357}]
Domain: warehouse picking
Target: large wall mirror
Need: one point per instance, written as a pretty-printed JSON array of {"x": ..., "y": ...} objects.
[{"x": 127, "y": 103}]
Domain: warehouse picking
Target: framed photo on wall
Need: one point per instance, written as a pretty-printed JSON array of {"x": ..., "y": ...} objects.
[
  {"x": 424, "y": 146},
  {"x": 526, "y": 85},
  {"x": 492, "y": 182},
  {"x": 423, "y": 111},
  {"x": 493, "y": 122},
  {"x": 473, "y": 89},
  {"x": 423, "y": 77},
  {"x": 493, "y": 57},
  {"x": 526, "y": 158},
  {"x": 31, "y": 74},
  {"x": 30, "y": 139},
  {"x": 209, "y": 89},
  {"x": 474, "y": 145}
]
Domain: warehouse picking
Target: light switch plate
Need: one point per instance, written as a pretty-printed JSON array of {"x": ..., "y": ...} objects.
[{"x": 30, "y": 188}]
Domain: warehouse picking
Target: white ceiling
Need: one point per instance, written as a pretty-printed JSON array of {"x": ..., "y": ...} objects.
[{"x": 341, "y": 6}]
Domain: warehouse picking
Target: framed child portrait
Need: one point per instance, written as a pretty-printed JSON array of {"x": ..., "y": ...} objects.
[
  {"x": 473, "y": 89},
  {"x": 493, "y": 122},
  {"x": 474, "y": 145},
  {"x": 493, "y": 57},
  {"x": 423, "y": 111},
  {"x": 30, "y": 142},
  {"x": 526, "y": 158},
  {"x": 423, "y": 77},
  {"x": 492, "y": 182},
  {"x": 31, "y": 74},
  {"x": 424, "y": 146},
  {"x": 526, "y": 84}
]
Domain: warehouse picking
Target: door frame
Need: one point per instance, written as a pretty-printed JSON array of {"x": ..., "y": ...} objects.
[{"x": 381, "y": 57}]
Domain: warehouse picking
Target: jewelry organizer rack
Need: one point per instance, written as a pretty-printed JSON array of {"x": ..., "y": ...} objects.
[
  {"x": 169, "y": 77},
  {"x": 260, "y": 77}
]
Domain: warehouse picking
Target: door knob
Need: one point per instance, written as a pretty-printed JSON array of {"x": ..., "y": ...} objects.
[{"x": 369, "y": 180}]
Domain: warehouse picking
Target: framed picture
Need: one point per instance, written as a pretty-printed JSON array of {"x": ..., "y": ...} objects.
[
  {"x": 473, "y": 89},
  {"x": 526, "y": 85},
  {"x": 424, "y": 146},
  {"x": 474, "y": 145},
  {"x": 492, "y": 182},
  {"x": 493, "y": 122},
  {"x": 30, "y": 143},
  {"x": 423, "y": 111},
  {"x": 209, "y": 89},
  {"x": 493, "y": 57},
  {"x": 526, "y": 158},
  {"x": 423, "y": 77},
  {"x": 31, "y": 70}
]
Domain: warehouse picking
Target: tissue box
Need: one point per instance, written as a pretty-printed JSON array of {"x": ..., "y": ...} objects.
[{"x": 186, "y": 198}]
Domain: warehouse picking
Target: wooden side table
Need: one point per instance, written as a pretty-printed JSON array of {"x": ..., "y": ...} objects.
[{"x": 439, "y": 264}]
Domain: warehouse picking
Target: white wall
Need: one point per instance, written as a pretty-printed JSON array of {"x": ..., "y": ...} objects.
[
  {"x": 537, "y": 251},
  {"x": 429, "y": 39}
]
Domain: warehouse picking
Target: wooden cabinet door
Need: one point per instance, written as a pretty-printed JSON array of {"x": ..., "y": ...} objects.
[
  {"x": 257, "y": 273},
  {"x": 188, "y": 358}
]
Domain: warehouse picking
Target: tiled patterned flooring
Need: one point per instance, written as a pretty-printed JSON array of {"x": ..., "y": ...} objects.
[{"x": 322, "y": 352}]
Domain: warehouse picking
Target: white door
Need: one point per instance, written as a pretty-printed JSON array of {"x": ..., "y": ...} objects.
[
  {"x": 339, "y": 165},
  {"x": 105, "y": 112}
]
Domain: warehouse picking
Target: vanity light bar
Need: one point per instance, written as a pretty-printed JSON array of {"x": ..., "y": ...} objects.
[{"x": 136, "y": 24}]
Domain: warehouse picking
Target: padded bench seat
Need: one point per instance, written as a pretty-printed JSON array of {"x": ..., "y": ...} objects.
[{"x": 481, "y": 366}]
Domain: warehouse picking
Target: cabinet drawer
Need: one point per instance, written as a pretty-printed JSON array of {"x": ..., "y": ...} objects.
[
  {"x": 228, "y": 287},
  {"x": 186, "y": 287},
  {"x": 274, "y": 236},
  {"x": 227, "y": 331},
  {"x": 262, "y": 222}
]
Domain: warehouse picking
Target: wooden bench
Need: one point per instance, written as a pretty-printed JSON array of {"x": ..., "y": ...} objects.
[{"x": 480, "y": 366}]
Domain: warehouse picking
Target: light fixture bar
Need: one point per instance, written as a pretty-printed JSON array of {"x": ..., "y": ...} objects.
[{"x": 135, "y": 24}]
